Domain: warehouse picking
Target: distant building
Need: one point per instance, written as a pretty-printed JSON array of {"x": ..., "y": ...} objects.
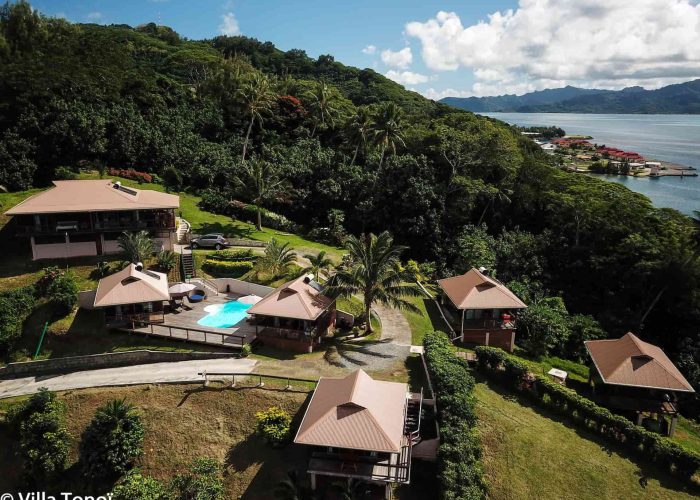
[
  {"x": 85, "y": 217},
  {"x": 549, "y": 148}
]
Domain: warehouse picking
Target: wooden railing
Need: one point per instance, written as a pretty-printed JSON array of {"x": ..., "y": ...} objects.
[
  {"x": 156, "y": 317},
  {"x": 486, "y": 324},
  {"x": 219, "y": 375},
  {"x": 207, "y": 336},
  {"x": 285, "y": 333}
]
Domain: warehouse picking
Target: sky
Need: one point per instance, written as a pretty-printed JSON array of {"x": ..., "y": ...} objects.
[{"x": 447, "y": 47}]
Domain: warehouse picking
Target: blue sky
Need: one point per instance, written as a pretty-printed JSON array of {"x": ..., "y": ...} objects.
[{"x": 447, "y": 47}]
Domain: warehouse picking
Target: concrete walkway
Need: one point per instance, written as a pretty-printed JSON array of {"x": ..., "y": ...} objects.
[
  {"x": 395, "y": 327},
  {"x": 180, "y": 371}
]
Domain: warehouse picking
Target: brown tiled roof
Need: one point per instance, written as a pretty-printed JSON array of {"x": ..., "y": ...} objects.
[
  {"x": 131, "y": 286},
  {"x": 294, "y": 299},
  {"x": 633, "y": 362},
  {"x": 355, "y": 412},
  {"x": 475, "y": 290},
  {"x": 93, "y": 196}
]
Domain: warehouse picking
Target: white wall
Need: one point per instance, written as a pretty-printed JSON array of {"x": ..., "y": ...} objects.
[
  {"x": 63, "y": 250},
  {"x": 242, "y": 287}
]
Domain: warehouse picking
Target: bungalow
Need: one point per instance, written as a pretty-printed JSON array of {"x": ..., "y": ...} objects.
[
  {"x": 132, "y": 294},
  {"x": 360, "y": 428},
  {"x": 487, "y": 308},
  {"x": 631, "y": 375},
  {"x": 295, "y": 316},
  {"x": 85, "y": 217}
]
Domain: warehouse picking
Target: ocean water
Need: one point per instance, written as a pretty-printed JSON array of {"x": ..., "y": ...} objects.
[{"x": 671, "y": 138}]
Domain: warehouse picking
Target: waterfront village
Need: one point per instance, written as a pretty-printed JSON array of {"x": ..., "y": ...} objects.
[{"x": 579, "y": 154}]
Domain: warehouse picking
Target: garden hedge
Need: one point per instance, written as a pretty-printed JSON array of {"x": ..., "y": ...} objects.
[
  {"x": 461, "y": 474},
  {"x": 585, "y": 413},
  {"x": 15, "y": 306},
  {"x": 232, "y": 255},
  {"x": 227, "y": 269}
]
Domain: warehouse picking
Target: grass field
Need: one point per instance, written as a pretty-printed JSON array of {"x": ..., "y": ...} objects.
[
  {"x": 531, "y": 454},
  {"x": 184, "y": 422}
]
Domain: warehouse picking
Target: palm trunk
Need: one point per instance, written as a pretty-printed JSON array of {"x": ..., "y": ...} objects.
[
  {"x": 381, "y": 158},
  {"x": 247, "y": 137},
  {"x": 354, "y": 156},
  {"x": 483, "y": 214},
  {"x": 313, "y": 131},
  {"x": 368, "y": 309},
  {"x": 259, "y": 223}
]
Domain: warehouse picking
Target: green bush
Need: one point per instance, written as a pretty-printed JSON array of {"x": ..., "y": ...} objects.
[
  {"x": 232, "y": 255},
  {"x": 461, "y": 474},
  {"x": 273, "y": 425},
  {"x": 44, "y": 440},
  {"x": 112, "y": 441},
  {"x": 64, "y": 174},
  {"x": 203, "y": 481},
  {"x": 585, "y": 413},
  {"x": 249, "y": 212},
  {"x": 15, "y": 306},
  {"x": 226, "y": 269},
  {"x": 135, "y": 486},
  {"x": 63, "y": 293}
]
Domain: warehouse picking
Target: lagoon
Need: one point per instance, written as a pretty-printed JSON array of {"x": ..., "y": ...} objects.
[{"x": 671, "y": 138}]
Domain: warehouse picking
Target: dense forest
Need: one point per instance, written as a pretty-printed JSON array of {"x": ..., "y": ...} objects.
[
  {"x": 331, "y": 146},
  {"x": 680, "y": 98}
]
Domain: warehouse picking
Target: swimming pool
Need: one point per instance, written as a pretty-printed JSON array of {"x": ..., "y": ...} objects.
[{"x": 224, "y": 315}]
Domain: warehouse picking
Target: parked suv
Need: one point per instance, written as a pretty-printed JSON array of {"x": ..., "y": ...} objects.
[{"x": 213, "y": 240}]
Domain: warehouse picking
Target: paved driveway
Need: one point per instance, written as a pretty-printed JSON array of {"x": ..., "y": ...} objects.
[{"x": 180, "y": 371}]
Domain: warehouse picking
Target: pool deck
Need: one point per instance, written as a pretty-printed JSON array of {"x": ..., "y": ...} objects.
[{"x": 182, "y": 325}]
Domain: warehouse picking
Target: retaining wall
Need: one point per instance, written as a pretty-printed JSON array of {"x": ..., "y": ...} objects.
[
  {"x": 97, "y": 361},
  {"x": 241, "y": 287}
]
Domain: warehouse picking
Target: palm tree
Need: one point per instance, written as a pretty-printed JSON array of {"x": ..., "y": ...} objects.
[
  {"x": 167, "y": 261},
  {"x": 359, "y": 128},
  {"x": 137, "y": 246},
  {"x": 261, "y": 183},
  {"x": 317, "y": 263},
  {"x": 277, "y": 260},
  {"x": 290, "y": 489},
  {"x": 256, "y": 96},
  {"x": 372, "y": 271},
  {"x": 322, "y": 105},
  {"x": 387, "y": 129},
  {"x": 496, "y": 195}
]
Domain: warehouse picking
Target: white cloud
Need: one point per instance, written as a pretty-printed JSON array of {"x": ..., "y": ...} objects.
[
  {"x": 229, "y": 25},
  {"x": 94, "y": 16},
  {"x": 400, "y": 59},
  {"x": 407, "y": 77},
  {"x": 550, "y": 43},
  {"x": 436, "y": 95},
  {"x": 369, "y": 49}
]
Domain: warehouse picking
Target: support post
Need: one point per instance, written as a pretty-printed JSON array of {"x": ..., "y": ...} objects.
[
  {"x": 672, "y": 428},
  {"x": 462, "y": 330}
]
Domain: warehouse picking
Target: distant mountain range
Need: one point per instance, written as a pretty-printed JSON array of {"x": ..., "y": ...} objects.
[{"x": 681, "y": 98}]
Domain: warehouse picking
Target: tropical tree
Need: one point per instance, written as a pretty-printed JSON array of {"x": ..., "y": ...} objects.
[
  {"x": 167, "y": 261},
  {"x": 387, "y": 129},
  {"x": 318, "y": 263},
  {"x": 136, "y": 486},
  {"x": 262, "y": 183},
  {"x": 372, "y": 270},
  {"x": 136, "y": 246},
  {"x": 277, "y": 260},
  {"x": 359, "y": 129},
  {"x": 493, "y": 196},
  {"x": 291, "y": 489},
  {"x": 112, "y": 441},
  {"x": 203, "y": 481},
  {"x": 256, "y": 96},
  {"x": 322, "y": 105}
]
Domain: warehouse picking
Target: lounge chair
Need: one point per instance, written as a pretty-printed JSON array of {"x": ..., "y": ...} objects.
[{"x": 174, "y": 306}]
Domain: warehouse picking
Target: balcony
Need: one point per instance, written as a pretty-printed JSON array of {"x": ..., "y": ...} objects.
[
  {"x": 488, "y": 324},
  {"x": 394, "y": 468}
]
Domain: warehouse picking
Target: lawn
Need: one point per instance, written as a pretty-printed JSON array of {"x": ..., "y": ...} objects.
[
  {"x": 529, "y": 453},
  {"x": 184, "y": 422},
  {"x": 429, "y": 319}
]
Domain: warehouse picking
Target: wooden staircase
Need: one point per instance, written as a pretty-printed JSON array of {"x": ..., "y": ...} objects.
[{"x": 187, "y": 267}]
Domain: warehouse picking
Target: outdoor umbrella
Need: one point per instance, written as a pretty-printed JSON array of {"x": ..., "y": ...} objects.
[
  {"x": 250, "y": 299},
  {"x": 181, "y": 289}
]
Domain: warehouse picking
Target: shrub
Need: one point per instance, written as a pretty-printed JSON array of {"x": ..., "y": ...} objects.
[
  {"x": 584, "y": 412},
  {"x": 273, "y": 425},
  {"x": 135, "y": 486},
  {"x": 112, "y": 441},
  {"x": 47, "y": 277},
  {"x": 172, "y": 178},
  {"x": 227, "y": 269},
  {"x": 216, "y": 201},
  {"x": 232, "y": 255},
  {"x": 203, "y": 481},
  {"x": 130, "y": 173},
  {"x": 64, "y": 174},
  {"x": 63, "y": 293},
  {"x": 245, "y": 350},
  {"x": 461, "y": 474},
  {"x": 44, "y": 440},
  {"x": 15, "y": 306},
  {"x": 166, "y": 261}
]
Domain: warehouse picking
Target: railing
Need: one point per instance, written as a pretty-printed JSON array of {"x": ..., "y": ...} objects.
[
  {"x": 148, "y": 317},
  {"x": 395, "y": 468},
  {"x": 155, "y": 328},
  {"x": 208, "y": 375},
  {"x": 471, "y": 324},
  {"x": 285, "y": 333},
  {"x": 415, "y": 435},
  {"x": 208, "y": 284}
]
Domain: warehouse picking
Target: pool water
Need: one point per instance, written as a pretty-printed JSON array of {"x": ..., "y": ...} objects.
[{"x": 224, "y": 315}]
